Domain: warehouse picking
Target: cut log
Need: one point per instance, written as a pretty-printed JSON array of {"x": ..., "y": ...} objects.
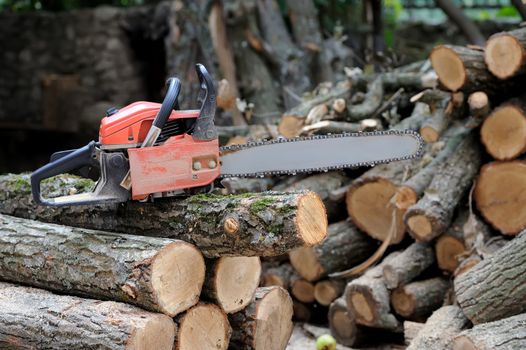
[
  {"x": 344, "y": 247},
  {"x": 450, "y": 245},
  {"x": 36, "y": 319},
  {"x": 505, "y": 334},
  {"x": 133, "y": 269},
  {"x": 499, "y": 193},
  {"x": 417, "y": 300},
  {"x": 370, "y": 197},
  {"x": 411, "y": 330},
  {"x": 204, "y": 326},
  {"x": 326, "y": 291},
  {"x": 322, "y": 184},
  {"x": 292, "y": 121},
  {"x": 439, "y": 329},
  {"x": 232, "y": 281},
  {"x": 302, "y": 290},
  {"x": 266, "y": 323},
  {"x": 280, "y": 276},
  {"x": 332, "y": 127},
  {"x": 411, "y": 190},
  {"x": 500, "y": 281},
  {"x": 264, "y": 224},
  {"x": 341, "y": 323},
  {"x": 433, "y": 214},
  {"x": 373, "y": 100},
  {"x": 479, "y": 106},
  {"x": 238, "y": 185},
  {"x": 461, "y": 68},
  {"x": 367, "y": 298},
  {"x": 505, "y": 53},
  {"x": 503, "y": 132},
  {"x": 433, "y": 127},
  {"x": 407, "y": 265},
  {"x": 302, "y": 312}
]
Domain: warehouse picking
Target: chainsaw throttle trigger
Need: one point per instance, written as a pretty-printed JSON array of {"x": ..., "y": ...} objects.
[{"x": 204, "y": 128}]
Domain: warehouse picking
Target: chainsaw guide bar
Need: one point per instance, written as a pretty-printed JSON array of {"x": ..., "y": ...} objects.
[{"x": 319, "y": 153}]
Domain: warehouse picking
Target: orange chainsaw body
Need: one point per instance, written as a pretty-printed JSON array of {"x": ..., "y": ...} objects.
[{"x": 179, "y": 163}]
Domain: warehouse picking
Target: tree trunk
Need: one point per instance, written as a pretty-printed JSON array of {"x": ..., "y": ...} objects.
[
  {"x": 461, "y": 68},
  {"x": 133, "y": 269},
  {"x": 411, "y": 190},
  {"x": 367, "y": 298},
  {"x": 266, "y": 323},
  {"x": 417, "y": 300},
  {"x": 411, "y": 330},
  {"x": 499, "y": 191},
  {"x": 293, "y": 120},
  {"x": 322, "y": 184},
  {"x": 505, "y": 53},
  {"x": 503, "y": 132},
  {"x": 36, "y": 319},
  {"x": 328, "y": 290},
  {"x": 500, "y": 281},
  {"x": 342, "y": 324},
  {"x": 369, "y": 198},
  {"x": 439, "y": 329},
  {"x": 466, "y": 26},
  {"x": 505, "y": 334},
  {"x": 262, "y": 224},
  {"x": 432, "y": 214},
  {"x": 344, "y": 247},
  {"x": 231, "y": 281},
  {"x": 407, "y": 265},
  {"x": 204, "y": 326}
]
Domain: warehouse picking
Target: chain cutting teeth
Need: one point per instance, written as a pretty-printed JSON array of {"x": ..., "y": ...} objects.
[{"x": 253, "y": 144}]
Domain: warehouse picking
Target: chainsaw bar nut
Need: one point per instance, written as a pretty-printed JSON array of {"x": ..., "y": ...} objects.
[
  {"x": 212, "y": 164},
  {"x": 197, "y": 165}
]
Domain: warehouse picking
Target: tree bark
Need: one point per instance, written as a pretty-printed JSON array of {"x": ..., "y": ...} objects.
[
  {"x": 411, "y": 330},
  {"x": 505, "y": 53},
  {"x": 499, "y": 192},
  {"x": 344, "y": 247},
  {"x": 280, "y": 276},
  {"x": 132, "y": 269},
  {"x": 369, "y": 198},
  {"x": 263, "y": 224},
  {"x": 500, "y": 281},
  {"x": 367, "y": 298},
  {"x": 432, "y": 214},
  {"x": 503, "y": 132},
  {"x": 204, "y": 326},
  {"x": 293, "y": 120},
  {"x": 328, "y": 290},
  {"x": 417, "y": 300},
  {"x": 231, "y": 281},
  {"x": 439, "y": 329},
  {"x": 464, "y": 69},
  {"x": 373, "y": 100},
  {"x": 505, "y": 334},
  {"x": 266, "y": 323},
  {"x": 408, "y": 265},
  {"x": 33, "y": 318},
  {"x": 466, "y": 26}
]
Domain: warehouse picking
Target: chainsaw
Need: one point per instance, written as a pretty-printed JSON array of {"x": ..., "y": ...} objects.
[{"x": 148, "y": 150}]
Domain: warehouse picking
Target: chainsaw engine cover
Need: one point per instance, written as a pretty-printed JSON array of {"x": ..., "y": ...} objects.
[{"x": 129, "y": 126}]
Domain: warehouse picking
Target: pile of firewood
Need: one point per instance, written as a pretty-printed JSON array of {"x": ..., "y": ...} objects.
[
  {"x": 156, "y": 264},
  {"x": 428, "y": 251}
]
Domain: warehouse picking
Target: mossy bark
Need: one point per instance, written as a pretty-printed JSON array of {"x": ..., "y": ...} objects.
[
  {"x": 263, "y": 224},
  {"x": 96, "y": 264}
]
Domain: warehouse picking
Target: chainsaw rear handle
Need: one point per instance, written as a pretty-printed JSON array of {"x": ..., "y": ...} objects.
[
  {"x": 74, "y": 160},
  {"x": 204, "y": 129}
]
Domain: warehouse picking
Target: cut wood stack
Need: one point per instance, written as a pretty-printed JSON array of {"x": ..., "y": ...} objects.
[{"x": 215, "y": 302}]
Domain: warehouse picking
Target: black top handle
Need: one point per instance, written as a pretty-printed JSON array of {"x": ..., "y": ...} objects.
[{"x": 204, "y": 128}]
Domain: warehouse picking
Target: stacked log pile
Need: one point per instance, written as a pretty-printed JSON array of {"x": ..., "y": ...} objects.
[
  {"x": 428, "y": 252},
  {"x": 148, "y": 276}
]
